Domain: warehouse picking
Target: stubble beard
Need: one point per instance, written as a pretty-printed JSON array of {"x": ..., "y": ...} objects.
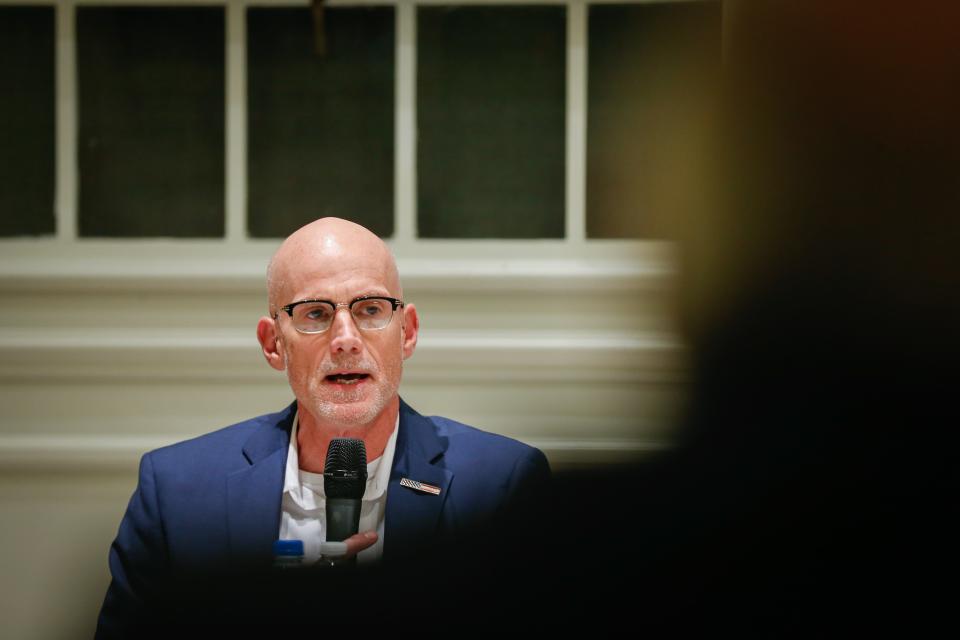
[{"x": 344, "y": 405}]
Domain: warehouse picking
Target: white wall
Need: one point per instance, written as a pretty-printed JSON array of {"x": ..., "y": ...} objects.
[{"x": 104, "y": 356}]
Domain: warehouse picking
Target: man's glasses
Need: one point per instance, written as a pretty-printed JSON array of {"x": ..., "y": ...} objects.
[{"x": 370, "y": 313}]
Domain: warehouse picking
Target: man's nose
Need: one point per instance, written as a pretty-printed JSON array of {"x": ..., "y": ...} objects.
[{"x": 344, "y": 335}]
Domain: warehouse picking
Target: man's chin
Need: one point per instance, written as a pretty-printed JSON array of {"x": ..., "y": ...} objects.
[
  {"x": 348, "y": 414},
  {"x": 353, "y": 409}
]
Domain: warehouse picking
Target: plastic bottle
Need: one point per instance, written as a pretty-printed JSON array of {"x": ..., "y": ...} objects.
[{"x": 288, "y": 554}]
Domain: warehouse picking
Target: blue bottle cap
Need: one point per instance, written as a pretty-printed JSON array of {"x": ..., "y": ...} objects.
[{"x": 288, "y": 548}]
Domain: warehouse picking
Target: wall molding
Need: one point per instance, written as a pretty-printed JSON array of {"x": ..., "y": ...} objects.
[
  {"x": 209, "y": 355},
  {"x": 451, "y": 267},
  {"x": 91, "y": 454}
]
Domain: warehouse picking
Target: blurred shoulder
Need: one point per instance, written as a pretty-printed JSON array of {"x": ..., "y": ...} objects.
[{"x": 460, "y": 434}]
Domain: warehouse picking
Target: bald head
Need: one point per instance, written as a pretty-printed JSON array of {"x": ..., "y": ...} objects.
[{"x": 327, "y": 250}]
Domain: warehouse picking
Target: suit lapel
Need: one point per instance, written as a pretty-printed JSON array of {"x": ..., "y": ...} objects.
[
  {"x": 254, "y": 493},
  {"x": 412, "y": 516}
]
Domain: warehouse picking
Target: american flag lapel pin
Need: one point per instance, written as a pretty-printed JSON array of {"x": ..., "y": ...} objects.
[{"x": 416, "y": 485}]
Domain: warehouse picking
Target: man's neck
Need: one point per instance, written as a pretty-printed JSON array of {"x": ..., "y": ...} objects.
[{"x": 314, "y": 436}]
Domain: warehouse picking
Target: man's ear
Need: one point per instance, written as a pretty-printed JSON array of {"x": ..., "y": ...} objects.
[
  {"x": 411, "y": 327},
  {"x": 270, "y": 342}
]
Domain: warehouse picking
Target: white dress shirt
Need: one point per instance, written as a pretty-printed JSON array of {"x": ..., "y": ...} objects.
[{"x": 303, "y": 510}]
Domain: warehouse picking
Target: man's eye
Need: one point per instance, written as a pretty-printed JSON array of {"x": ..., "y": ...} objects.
[
  {"x": 317, "y": 313},
  {"x": 371, "y": 310}
]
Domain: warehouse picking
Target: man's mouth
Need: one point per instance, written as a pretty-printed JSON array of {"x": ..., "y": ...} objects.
[{"x": 347, "y": 378}]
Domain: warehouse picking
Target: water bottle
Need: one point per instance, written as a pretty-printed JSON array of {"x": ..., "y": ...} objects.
[{"x": 287, "y": 554}]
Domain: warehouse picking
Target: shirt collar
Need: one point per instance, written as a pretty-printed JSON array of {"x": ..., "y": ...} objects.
[{"x": 378, "y": 471}]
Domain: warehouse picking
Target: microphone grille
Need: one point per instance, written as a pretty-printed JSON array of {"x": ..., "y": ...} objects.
[{"x": 345, "y": 470}]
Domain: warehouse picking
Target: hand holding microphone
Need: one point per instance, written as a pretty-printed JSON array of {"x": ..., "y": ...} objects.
[
  {"x": 344, "y": 481},
  {"x": 335, "y": 553}
]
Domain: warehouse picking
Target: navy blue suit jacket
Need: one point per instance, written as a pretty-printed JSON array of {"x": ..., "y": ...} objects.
[{"x": 216, "y": 500}]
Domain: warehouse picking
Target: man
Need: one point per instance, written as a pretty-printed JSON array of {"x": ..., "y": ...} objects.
[{"x": 340, "y": 329}]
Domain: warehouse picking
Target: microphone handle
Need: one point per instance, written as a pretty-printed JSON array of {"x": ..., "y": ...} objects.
[{"x": 343, "y": 518}]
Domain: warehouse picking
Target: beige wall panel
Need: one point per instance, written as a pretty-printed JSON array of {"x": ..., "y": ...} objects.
[{"x": 54, "y": 542}]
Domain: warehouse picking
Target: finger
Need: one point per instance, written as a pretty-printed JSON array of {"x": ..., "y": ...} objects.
[{"x": 360, "y": 541}]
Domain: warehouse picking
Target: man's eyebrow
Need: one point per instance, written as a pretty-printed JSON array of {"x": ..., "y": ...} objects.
[{"x": 363, "y": 293}]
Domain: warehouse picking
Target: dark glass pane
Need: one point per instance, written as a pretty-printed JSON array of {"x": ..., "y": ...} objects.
[
  {"x": 151, "y": 100},
  {"x": 27, "y": 120},
  {"x": 648, "y": 68},
  {"x": 491, "y": 108},
  {"x": 320, "y": 126}
]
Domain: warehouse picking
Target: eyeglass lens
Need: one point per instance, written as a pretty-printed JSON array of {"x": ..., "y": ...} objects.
[{"x": 314, "y": 317}]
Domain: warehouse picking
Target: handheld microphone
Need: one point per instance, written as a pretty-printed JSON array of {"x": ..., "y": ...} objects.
[{"x": 344, "y": 481}]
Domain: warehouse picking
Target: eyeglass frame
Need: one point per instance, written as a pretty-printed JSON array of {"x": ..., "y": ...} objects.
[{"x": 394, "y": 302}]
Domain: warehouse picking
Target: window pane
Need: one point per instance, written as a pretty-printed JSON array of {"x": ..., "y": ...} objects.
[
  {"x": 320, "y": 126},
  {"x": 491, "y": 91},
  {"x": 151, "y": 101},
  {"x": 648, "y": 67},
  {"x": 27, "y": 121}
]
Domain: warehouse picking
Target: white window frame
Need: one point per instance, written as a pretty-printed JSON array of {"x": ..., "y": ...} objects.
[{"x": 572, "y": 263}]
